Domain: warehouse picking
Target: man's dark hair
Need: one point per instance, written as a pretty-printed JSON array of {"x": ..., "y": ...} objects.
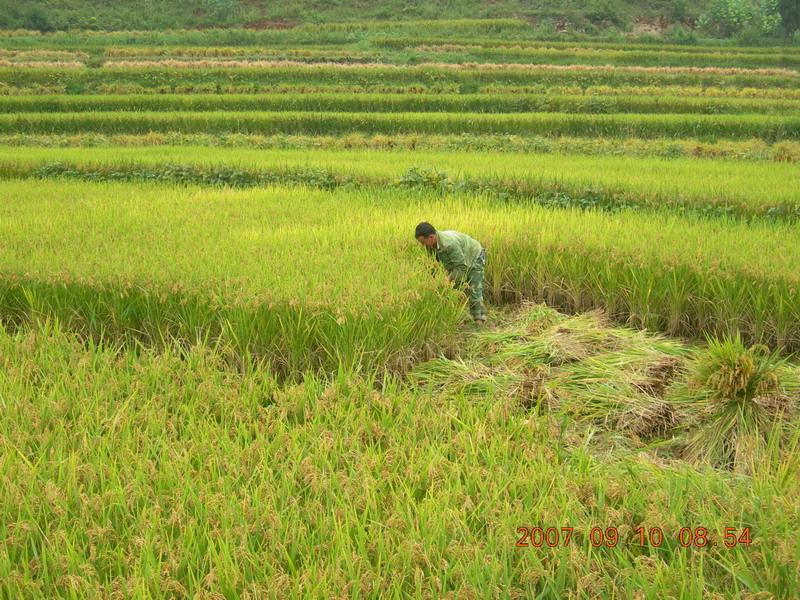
[{"x": 424, "y": 229}]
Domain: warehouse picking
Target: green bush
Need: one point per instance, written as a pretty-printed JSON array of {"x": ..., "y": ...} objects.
[
  {"x": 680, "y": 34},
  {"x": 790, "y": 14},
  {"x": 731, "y": 17}
]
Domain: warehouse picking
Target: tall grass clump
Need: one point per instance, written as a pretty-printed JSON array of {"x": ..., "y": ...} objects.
[{"x": 737, "y": 402}]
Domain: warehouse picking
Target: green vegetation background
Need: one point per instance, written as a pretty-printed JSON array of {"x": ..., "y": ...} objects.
[
  {"x": 159, "y": 14},
  {"x": 750, "y": 21}
]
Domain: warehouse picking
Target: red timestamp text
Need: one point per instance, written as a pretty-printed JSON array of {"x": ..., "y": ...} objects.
[{"x": 609, "y": 537}]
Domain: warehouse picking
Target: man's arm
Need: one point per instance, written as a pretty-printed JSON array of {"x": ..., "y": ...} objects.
[{"x": 456, "y": 265}]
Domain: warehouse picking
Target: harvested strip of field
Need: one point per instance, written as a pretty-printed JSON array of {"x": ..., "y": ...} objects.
[
  {"x": 232, "y": 64},
  {"x": 347, "y": 102},
  {"x": 769, "y": 128},
  {"x": 755, "y": 149},
  {"x": 41, "y": 64},
  {"x": 37, "y": 55},
  {"x": 465, "y": 53},
  {"x": 117, "y": 258},
  {"x": 633, "y": 390},
  {"x": 208, "y": 51},
  {"x": 743, "y": 188}
]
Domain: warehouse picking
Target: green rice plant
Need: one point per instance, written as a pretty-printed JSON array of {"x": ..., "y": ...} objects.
[
  {"x": 735, "y": 402},
  {"x": 592, "y": 53},
  {"x": 646, "y": 90},
  {"x": 472, "y": 103},
  {"x": 748, "y": 150},
  {"x": 155, "y": 472},
  {"x": 78, "y": 81},
  {"x": 677, "y": 274},
  {"x": 592, "y": 56},
  {"x": 706, "y": 187},
  {"x": 271, "y": 283},
  {"x": 720, "y": 47},
  {"x": 458, "y": 55},
  {"x": 770, "y": 128}
]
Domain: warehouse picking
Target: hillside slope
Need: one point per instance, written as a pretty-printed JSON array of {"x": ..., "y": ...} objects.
[{"x": 587, "y": 15}]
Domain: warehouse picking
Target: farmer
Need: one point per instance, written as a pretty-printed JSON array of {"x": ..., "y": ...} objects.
[{"x": 464, "y": 260}]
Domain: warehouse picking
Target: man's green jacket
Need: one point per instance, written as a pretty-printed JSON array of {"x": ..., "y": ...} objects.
[{"x": 457, "y": 252}]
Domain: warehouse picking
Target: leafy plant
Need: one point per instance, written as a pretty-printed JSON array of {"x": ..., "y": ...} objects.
[{"x": 730, "y": 17}]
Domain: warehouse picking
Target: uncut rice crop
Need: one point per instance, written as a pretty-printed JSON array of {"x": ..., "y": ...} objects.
[
  {"x": 365, "y": 102},
  {"x": 747, "y": 189},
  {"x": 736, "y": 402},
  {"x": 131, "y": 474},
  {"x": 690, "y": 148},
  {"x": 586, "y": 44},
  {"x": 679, "y": 275},
  {"x": 646, "y": 90},
  {"x": 461, "y": 53},
  {"x": 266, "y": 272},
  {"x": 486, "y": 32},
  {"x": 591, "y": 56},
  {"x": 330, "y": 123},
  {"x": 597, "y": 54},
  {"x": 89, "y": 80},
  {"x": 219, "y": 87}
]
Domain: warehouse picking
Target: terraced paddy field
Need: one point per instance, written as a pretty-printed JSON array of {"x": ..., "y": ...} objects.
[{"x": 228, "y": 369}]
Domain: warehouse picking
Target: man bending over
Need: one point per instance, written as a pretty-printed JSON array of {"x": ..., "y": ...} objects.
[{"x": 463, "y": 258}]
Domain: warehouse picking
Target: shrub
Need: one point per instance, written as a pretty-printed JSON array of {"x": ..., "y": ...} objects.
[{"x": 732, "y": 17}]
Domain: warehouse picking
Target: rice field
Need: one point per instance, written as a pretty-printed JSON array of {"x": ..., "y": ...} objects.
[
  {"x": 752, "y": 190},
  {"x": 228, "y": 370},
  {"x": 421, "y": 102}
]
